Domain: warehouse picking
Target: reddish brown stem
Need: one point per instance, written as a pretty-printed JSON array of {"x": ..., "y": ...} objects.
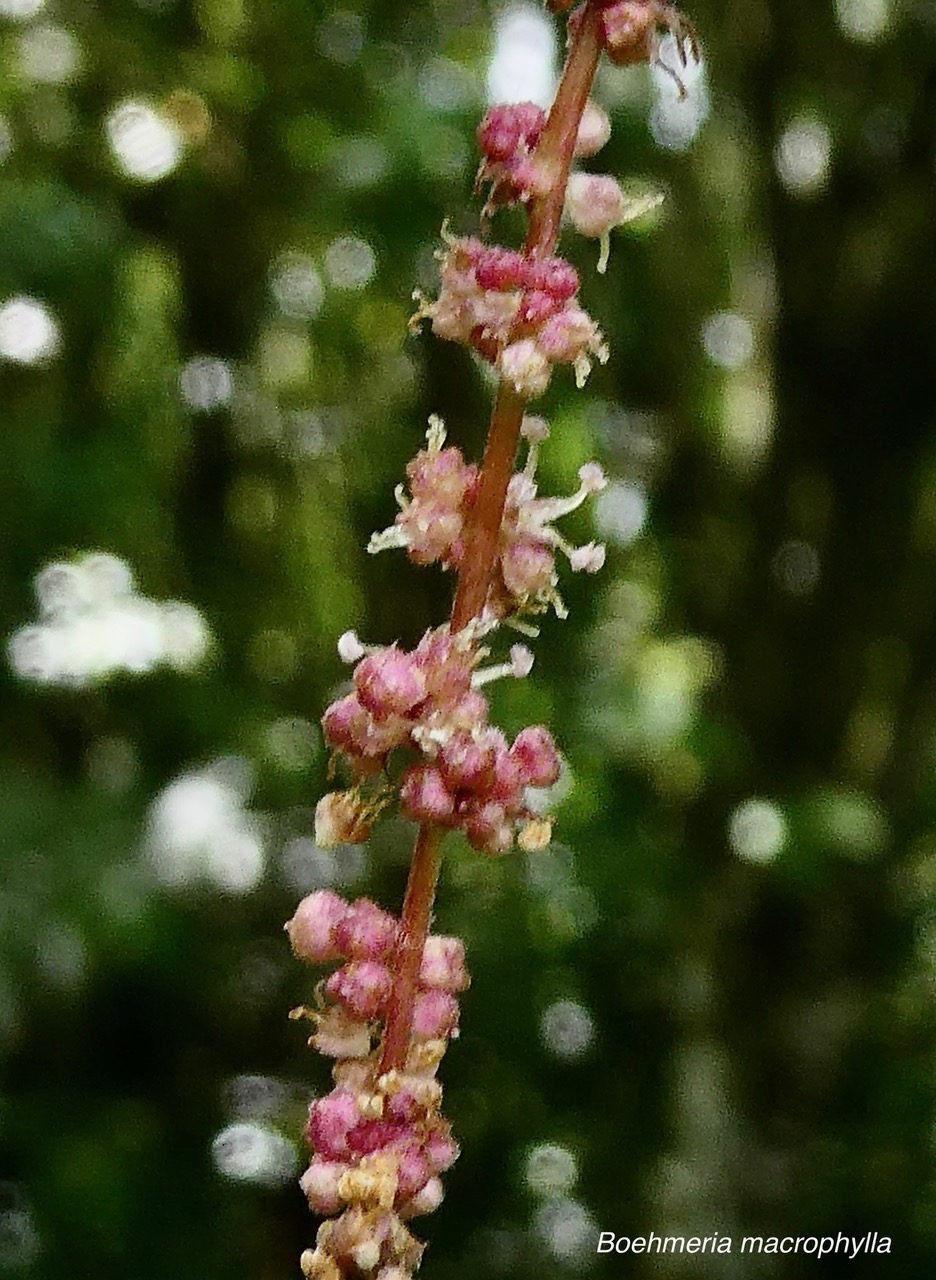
[
  {"x": 554, "y": 152},
  {"x": 474, "y": 578},
  {"x": 414, "y": 928},
  {"x": 557, "y": 144}
]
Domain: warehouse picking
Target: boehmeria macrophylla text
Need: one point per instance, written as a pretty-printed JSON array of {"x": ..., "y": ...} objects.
[{"x": 414, "y": 729}]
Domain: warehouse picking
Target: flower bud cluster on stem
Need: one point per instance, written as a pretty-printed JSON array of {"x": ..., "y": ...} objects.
[
  {"x": 378, "y": 1139},
  {"x": 413, "y": 729}
]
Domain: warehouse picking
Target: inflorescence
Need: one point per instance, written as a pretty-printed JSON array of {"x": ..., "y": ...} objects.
[
  {"x": 379, "y": 1141},
  {"x": 413, "y": 729}
]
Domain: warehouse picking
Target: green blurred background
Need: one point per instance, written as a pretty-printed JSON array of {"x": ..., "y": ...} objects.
[{"x": 710, "y": 1004}]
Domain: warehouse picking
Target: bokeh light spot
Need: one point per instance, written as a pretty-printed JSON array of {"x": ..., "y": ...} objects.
[
  {"x": 567, "y": 1230},
  {"x": 677, "y": 114},
  {"x": 567, "y": 1029},
  {"x": 206, "y": 383},
  {"x": 803, "y": 155},
  {"x": 727, "y": 339},
  {"x": 864, "y": 21},
  {"x": 146, "y": 144},
  {"x": 28, "y": 331},
  {"x": 199, "y": 829},
  {"x": 757, "y": 830},
  {"x": 48, "y": 55},
  {"x": 20, "y": 10},
  {"x": 796, "y": 567},
  {"x": 349, "y": 262},
  {"x": 523, "y": 64},
  {"x": 550, "y": 1169},
  {"x": 341, "y": 37},
  {"x": 296, "y": 286},
  {"x": 93, "y": 625},
  {"x": 621, "y": 512},
  {"x": 253, "y": 1153}
]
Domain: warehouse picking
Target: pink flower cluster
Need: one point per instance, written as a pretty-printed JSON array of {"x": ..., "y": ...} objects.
[
  {"x": 630, "y": 29},
  {"x": 468, "y": 776},
  {"x": 507, "y": 136},
  {"x": 443, "y": 489},
  {"x": 518, "y": 312},
  {"x": 379, "y": 1140}
]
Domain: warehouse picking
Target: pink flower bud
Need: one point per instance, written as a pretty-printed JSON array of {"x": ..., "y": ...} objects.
[
  {"x": 534, "y": 428},
  {"x": 528, "y": 566},
  {"x": 594, "y": 130},
  {"x": 413, "y": 1170},
  {"x": 443, "y": 964},
  {"x": 530, "y": 121},
  {"x": 425, "y": 1201},
  {"x": 389, "y": 682},
  {"x": 403, "y": 1106},
  {"x": 371, "y": 1135},
  {"x": 506, "y": 125},
  {"x": 331, "y": 1119},
  {"x": 555, "y": 276},
  {"x": 441, "y": 1149},
  {"x": 537, "y": 305},
  {"x": 441, "y": 475},
  {"x": 424, "y": 795},
  {"x": 320, "y": 1184},
  {"x": 595, "y": 203},
  {"x": 345, "y": 724},
  {"x": 432, "y": 528},
  {"x": 568, "y": 335},
  {"x": 501, "y": 269},
  {"x": 498, "y": 133},
  {"x": 366, "y": 932},
  {"x": 312, "y": 928},
  {"x": 592, "y": 476},
  {"x": 536, "y": 754},
  {"x": 508, "y": 781},
  {"x": 525, "y": 365},
  {"x": 435, "y": 1015},
  {"x": 362, "y": 987},
  {"x": 488, "y": 829},
  {"x": 466, "y": 762},
  {"x": 470, "y": 710},
  {"x": 628, "y": 29}
]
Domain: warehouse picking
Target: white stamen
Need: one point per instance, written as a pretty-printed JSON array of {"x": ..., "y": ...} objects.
[
  {"x": 534, "y": 428},
  {"x": 592, "y": 477},
  {"x": 387, "y": 539},
  {"x": 525, "y": 628},
  {"x": 521, "y": 660},
  {"x": 582, "y": 367},
  {"x": 520, "y": 664},
  {"x": 350, "y": 648},
  {"x": 587, "y": 559},
  {"x": 521, "y": 489},
  {"x": 435, "y": 436},
  {"x": 604, "y": 251}
]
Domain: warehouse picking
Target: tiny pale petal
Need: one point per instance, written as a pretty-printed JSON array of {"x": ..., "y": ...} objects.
[
  {"x": 350, "y": 648},
  {"x": 592, "y": 477},
  {"x": 521, "y": 660}
]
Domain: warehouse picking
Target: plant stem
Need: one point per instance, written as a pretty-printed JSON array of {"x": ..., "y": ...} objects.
[
  {"x": 554, "y": 153},
  {"x": 556, "y": 146},
  {"x": 414, "y": 927}
]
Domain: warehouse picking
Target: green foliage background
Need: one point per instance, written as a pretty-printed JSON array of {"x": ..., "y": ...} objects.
[{"x": 764, "y": 1047}]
